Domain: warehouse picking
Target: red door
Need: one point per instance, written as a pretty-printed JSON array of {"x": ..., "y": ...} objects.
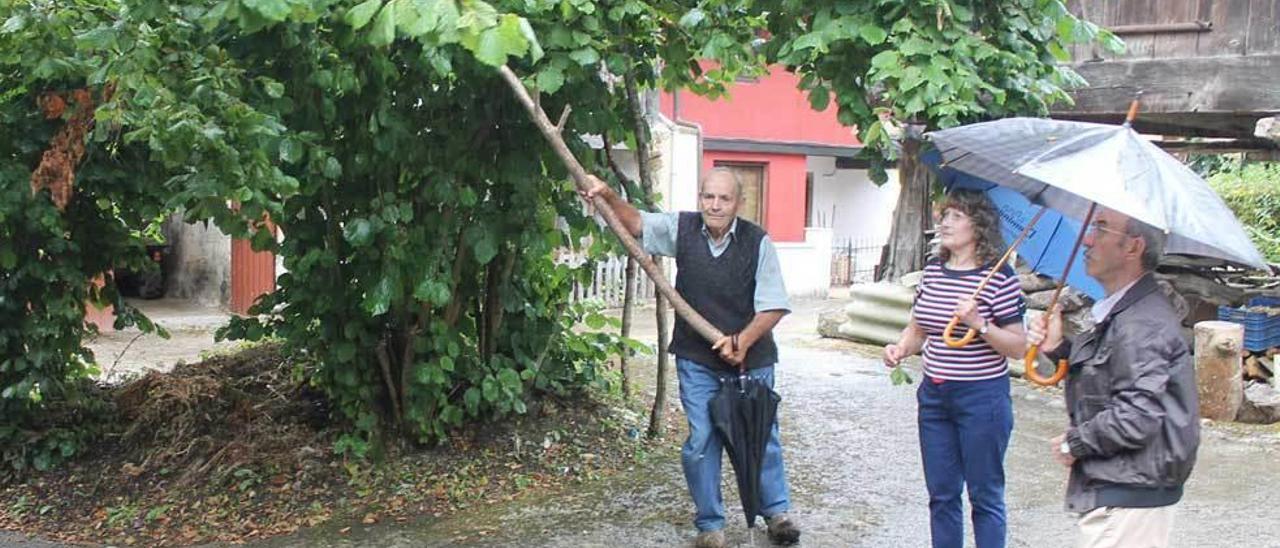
[{"x": 253, "y": 274}]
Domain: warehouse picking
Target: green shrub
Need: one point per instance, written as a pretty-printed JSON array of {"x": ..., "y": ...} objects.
[{"x": 1252, "y": 191}]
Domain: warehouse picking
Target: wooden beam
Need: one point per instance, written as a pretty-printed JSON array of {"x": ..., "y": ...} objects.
[
  {"x": 1218, "y": 147},
  {"x": 1186, "y": 124},
  {"x": 1163, "y": 28},
  {"x": 1236, "y": 85}
]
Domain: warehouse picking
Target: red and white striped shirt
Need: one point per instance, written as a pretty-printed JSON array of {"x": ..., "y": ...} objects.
[{"x": 940, "y": 289}]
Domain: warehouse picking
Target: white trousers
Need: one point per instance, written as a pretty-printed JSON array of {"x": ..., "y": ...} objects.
[{"x": 1113, "y": 527}]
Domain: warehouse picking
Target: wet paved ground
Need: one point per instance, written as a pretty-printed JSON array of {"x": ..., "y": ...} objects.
[{"x": 850, "y": 446}]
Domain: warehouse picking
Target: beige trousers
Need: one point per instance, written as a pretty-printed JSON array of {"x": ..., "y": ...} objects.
[{"x": 1113, "y": 527}]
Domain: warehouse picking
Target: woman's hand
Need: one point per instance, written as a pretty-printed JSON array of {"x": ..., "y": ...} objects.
[
  {"x": 893, "y": 355},
  {"x": 967, "y": 311}
]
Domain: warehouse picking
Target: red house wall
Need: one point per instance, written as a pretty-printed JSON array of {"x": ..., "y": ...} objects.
[
  {"x": 784, "y": 189},
  {"x": 769, "y": 109}
]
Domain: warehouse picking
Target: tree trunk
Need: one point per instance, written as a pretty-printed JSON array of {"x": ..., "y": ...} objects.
[
  {"x": 905, "y": 251},
  {"x": 657, "y": 415},
  {"x": 628, "y": 303}
]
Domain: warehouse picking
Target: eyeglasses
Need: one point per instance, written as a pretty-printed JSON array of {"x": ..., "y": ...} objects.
[
  {"x": 1097, "y": 226},
  {"x": 953, "y": 215}
]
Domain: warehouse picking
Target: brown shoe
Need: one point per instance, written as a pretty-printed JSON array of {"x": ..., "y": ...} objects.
[
  {"x": 710, "y": 539},
  {"x": 782, "y": 530}
]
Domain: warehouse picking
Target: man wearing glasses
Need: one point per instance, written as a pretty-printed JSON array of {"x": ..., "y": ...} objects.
[{"x": 1131, "y": 394}]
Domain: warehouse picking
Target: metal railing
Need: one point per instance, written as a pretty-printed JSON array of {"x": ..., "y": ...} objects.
[{"x": 855, "y": 260}]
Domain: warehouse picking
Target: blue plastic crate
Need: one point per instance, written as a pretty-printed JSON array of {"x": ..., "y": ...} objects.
[{"x": 1261, "y": 330}]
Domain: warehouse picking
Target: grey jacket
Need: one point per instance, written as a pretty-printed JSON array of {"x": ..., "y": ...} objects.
[{"x": 1131, "y": 394}]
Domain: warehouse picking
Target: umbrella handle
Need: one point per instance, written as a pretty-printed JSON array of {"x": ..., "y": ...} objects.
[
  {"x": 961, "y": 342},
  {"x": 1034, "y": 376},
  {"x": 1029, "y": 361}
]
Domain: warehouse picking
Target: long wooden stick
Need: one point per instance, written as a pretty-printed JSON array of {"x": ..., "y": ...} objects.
[{"x": 583, "y": 180}]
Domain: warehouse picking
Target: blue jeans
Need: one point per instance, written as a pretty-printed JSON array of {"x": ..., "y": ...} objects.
[
  {"x": 702, "y": 451},
  {"x": 964, "y": 431}
]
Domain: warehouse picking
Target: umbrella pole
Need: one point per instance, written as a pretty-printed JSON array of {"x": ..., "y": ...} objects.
[
  {"x": 955, "y": 320},
  {"x": 1029, "y": 361}
]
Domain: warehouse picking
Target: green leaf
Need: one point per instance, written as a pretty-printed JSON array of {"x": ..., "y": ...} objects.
[
  {"x": 358, "y": 232},
  {"x": 549, "y": 80},
  {"x": 1111, "y": 42},
  {"x": 290, "y": 151},
  {"x": 535, "y": 49},
  {"x": 484, "y": 13},
  {"x": 345, "y": 351},
  {"x": 510, "y": 380},
  {"x": 425, "y": 375},
  {"x": 485, "y": 249},
  {"x": 585, "y": 56},
  {"x": 272, "y": 10},
  {"x": 378, "y": 302},
  {"x": 1058, "y": 53},
  {"x": 96, "y": 39},
  {"x": 332, "y": 168},
  {"x": 409, "y": 19},
  {"x": 917, "y": 46},
  {"x": 501, "y": 41},
  {"x": 433, "y": 291},
  {"x": 911, "y": 77},
  {"x": 446, "y": 363},
  {"x": 872, "y": 34},
  {"x": 490, "y": 389},
  {"x": 886, "y": 59},
  {"x": 13, "y": 24},
  {"x": 914, "y": 105},
  {"x": 875, "y": 132},
  {"x": 42, "y": 461},
  {"x": 472, "y": 399},
  {"x": 812, "y": 40},
  {"x": 360, "y": 15},
  {"x": 594, "y": 321},
  {"x": 384, "y": 28},
  {"x": 692, "y": 18},
  {"x": 446, "y": 14},
  {"x": 899, "y": 376},
  {"x": 819, "y": 97},
  {"x": 210, "y": 20}
]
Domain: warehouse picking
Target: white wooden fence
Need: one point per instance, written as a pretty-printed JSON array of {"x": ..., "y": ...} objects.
[{"x": 608, "y": 285}]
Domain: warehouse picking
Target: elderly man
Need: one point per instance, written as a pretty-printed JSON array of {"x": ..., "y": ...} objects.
[
  {"x": 729, "y": 273},
  {"x": 1131, "y": 394}
]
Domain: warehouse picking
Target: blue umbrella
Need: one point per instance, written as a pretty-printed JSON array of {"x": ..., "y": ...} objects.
[{"x": 1046, "y": 248}]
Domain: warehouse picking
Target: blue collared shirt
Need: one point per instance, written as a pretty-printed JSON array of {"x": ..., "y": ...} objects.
[{"x": 659, "y": 238}]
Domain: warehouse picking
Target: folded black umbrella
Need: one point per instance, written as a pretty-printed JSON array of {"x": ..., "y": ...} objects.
[{"x": 742, "y": 414}]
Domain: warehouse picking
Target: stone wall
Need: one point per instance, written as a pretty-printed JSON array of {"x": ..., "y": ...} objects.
[{"x": 198, "y": 267}]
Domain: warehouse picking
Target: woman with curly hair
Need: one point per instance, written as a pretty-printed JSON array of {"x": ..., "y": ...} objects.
[{"x": 965, "y": 414}]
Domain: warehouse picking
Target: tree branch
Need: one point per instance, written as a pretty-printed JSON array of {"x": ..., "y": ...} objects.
[
  {"x": 564, "y": 117},
  {"x": 583, "y": 181}
]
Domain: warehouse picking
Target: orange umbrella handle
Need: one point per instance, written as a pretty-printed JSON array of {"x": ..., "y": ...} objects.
[
  {"x": 961, "y": 342},
  {"x": 1030, "y": 359},
  {"x": 1034, "y": 376}
]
